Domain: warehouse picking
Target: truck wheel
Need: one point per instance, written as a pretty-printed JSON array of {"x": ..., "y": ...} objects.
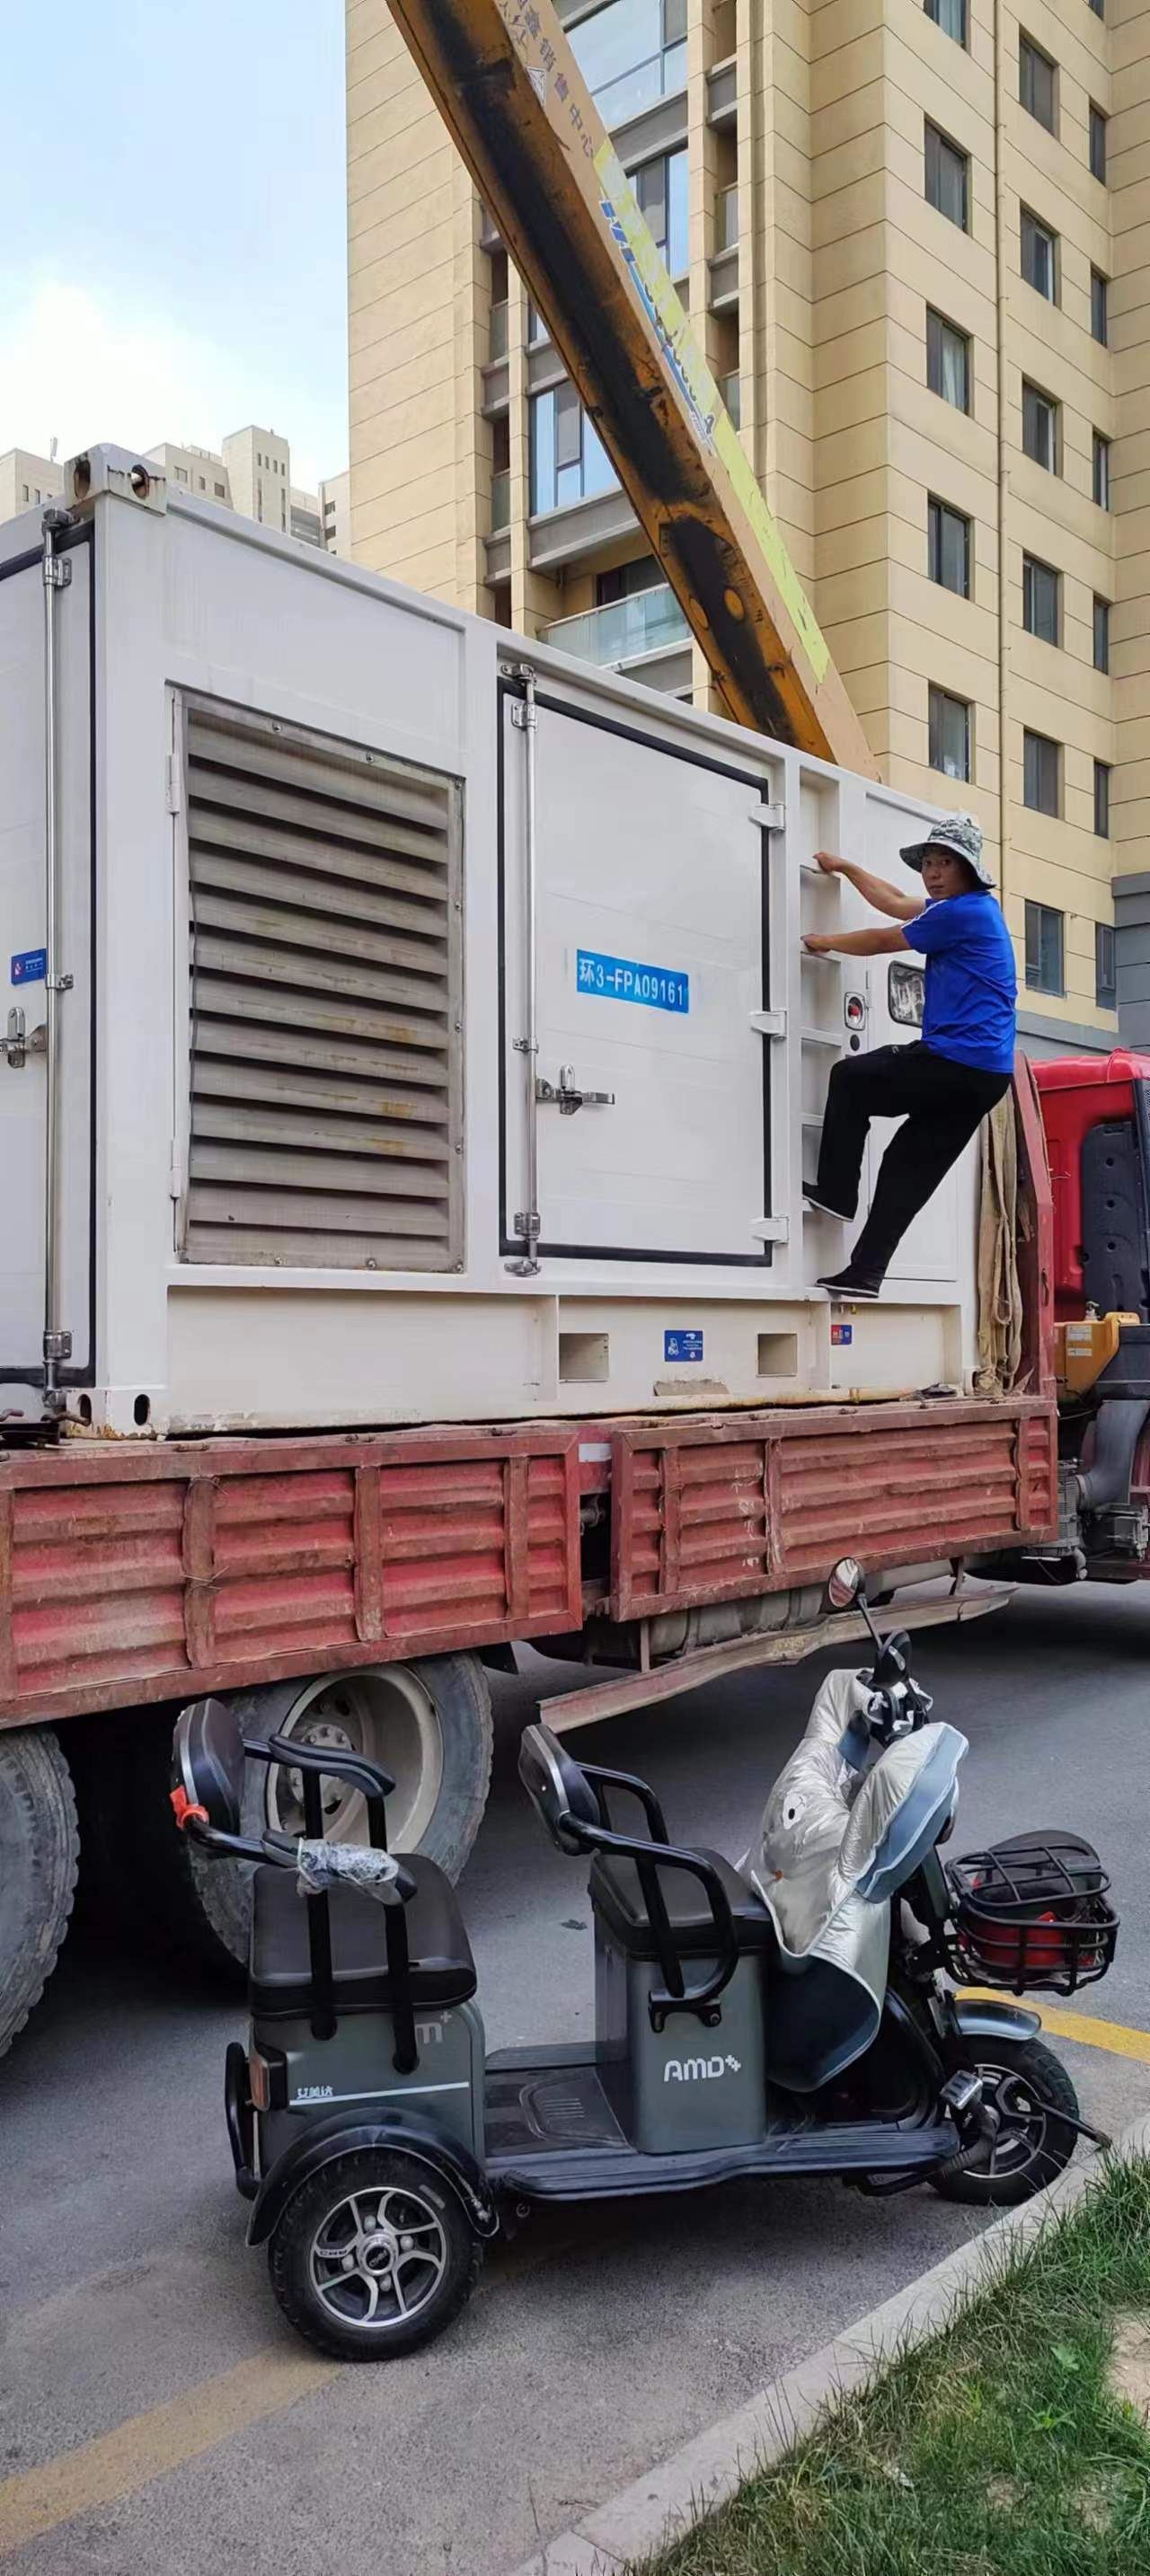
[
  {"x": 428, "y": 1723},
  {"x": 39, "y": 1855}
]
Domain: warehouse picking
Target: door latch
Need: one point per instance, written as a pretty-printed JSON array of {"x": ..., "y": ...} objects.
[
  {"x": 565, "y": 1097},
  {"x": 19, "y": 1043}
]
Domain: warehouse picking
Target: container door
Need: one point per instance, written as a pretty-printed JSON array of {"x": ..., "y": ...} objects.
[
  {"x": 650, "y": 962},
  {"x": 930, "y": 1247},
  {"x": 22, "y": 989}
]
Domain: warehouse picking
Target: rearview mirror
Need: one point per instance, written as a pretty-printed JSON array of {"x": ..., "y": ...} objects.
[{"x": 845, "y": 1583}]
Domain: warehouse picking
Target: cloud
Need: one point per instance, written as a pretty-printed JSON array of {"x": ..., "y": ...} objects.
[{"x": 77, "y": 369}]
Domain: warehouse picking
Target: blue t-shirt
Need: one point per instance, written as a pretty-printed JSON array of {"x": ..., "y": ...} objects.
[{"x": 971, "y": 984}]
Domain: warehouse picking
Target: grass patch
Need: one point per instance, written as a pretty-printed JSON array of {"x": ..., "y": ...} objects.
[{"x": 998, "y": 2449}]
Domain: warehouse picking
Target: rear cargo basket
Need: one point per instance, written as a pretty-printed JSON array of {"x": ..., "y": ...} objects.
[
  {"x": 325, "y": 1002},
  {"x": 1032, "y": 1912}
]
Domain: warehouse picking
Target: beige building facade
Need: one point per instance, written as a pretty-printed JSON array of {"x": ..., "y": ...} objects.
[
  {"x": 915, "y": 243},
  {"x": 26, "y": 480}
]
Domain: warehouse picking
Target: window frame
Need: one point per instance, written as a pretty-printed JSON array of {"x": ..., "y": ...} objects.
[
  {"x": 935, "y": 15},
  {"x": 938, "y": 513},
  {"x": 937, "y": 324},
  {"x": 1030, "y": 53},
  {"x": 1052, "y": 405},
  {"x": 1039, "y": 921},
  {"x": 1100, "y": 632},
  {"x": 1102, "y": 776},
  {"x": 935, "y": 134},
  {"x": 1105, "y": 985},
  {"x": 1097, "y": 123},
  {"x": 1032, "y": 564},
  {"x": 939, "y": 698},
  {"x": 1038, "y": 228},
  {"x": 1100, "y": 470},
  {"x": 1100, "y": 307},
  {"x": 1038, "y": 745}
]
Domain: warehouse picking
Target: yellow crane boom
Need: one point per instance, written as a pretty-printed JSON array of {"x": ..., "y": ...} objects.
[{"x": 507, "y": 84}]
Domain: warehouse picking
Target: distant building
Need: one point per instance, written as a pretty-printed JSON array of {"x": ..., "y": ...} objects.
[
  {"x": 252, "y": 476},
  {"x": 25, "y": 480},
  {"x": 335, "y": 506}
]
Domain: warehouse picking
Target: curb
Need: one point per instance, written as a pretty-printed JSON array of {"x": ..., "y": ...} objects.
[{"x": 695, "y": 2480}]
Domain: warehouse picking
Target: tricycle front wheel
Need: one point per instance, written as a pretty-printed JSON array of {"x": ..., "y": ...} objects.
[{"x": 1029, "y": 2087}]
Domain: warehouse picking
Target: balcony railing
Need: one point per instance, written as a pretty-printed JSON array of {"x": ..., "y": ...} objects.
[
  {"x": 730, "y": 388},
  {"x": 627, "y": 630},
  {"x": 500, "y": 501},
  {"x": 659, "y": 77},
  {"x": 498, "y": 343}
]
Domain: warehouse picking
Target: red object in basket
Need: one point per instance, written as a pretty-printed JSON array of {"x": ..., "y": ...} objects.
[{"x": 1023, "y": 1949}]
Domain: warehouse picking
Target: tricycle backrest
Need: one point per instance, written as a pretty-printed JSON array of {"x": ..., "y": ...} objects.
[{"x": 208, "y": 1762}]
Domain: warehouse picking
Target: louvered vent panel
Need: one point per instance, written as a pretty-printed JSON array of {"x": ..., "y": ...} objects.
[{"x": 325, "y": 1002}]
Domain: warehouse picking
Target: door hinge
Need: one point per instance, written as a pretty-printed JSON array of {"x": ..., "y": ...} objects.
[
  {"x": 772, "y": 1229},
  {"x": 57, "y": 572},
  {"x": 769, "y": 1024},
  {"x": 176, "y": 1172},
  {"x": 565, "y": 1095},
  {"x": 771, "y": 818},
  {"x": 523, "y": 715}
]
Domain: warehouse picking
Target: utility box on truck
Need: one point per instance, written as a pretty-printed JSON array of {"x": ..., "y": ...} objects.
[{"x": 438, "y": 1042}]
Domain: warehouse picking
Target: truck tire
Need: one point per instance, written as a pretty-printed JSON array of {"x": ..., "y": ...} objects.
[
  {"x": 39, "y": 1857},
  {"x": 427, "y": 1722}
]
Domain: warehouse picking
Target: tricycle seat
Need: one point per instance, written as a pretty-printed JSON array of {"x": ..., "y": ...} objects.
[
  {"x": 442, "y": 1969},
  {"x": 617, "y": 1897}
]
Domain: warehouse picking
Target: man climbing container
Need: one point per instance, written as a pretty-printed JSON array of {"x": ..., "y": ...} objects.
[{"x": 941, "y": 1088}]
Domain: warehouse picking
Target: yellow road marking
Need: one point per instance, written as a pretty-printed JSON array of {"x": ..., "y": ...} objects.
[
  {"x": 1114, "y": 2036},
  {"x": 120, "y": 2463}
]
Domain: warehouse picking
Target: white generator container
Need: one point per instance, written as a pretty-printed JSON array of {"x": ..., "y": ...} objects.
[{"x": 433, "y": 1036}]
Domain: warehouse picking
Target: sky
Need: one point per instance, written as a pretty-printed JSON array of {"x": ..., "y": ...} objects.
[{"x": 172, "y": 209}]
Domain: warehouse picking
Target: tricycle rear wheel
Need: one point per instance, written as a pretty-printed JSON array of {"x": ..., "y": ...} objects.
[{"x": 374, "y": 2256}]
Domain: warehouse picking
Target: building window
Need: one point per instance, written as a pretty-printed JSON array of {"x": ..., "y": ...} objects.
[
  {"x": 1102, "y": 799},
  {"x": 1097, "y": 143},
  {"x": 537, "y": 331},
  {"x": 568, "y": 460},
  {"x": 221, "y": 492},
  {"x": 1101, "y": 481},
  {"x": 949, "y": 734},
  {"x": 1101, "y": 633},
  {"x": 947, "y": 177},
  {"x": 1040, "y": 766},
  {"x": 1099, "y": 7},
  {"x": 27, "y": 494},
  {"x": 181, "y": 474},
  {"x": 661, "y": 190},
  {"x": 1040, "y": 427},
  {"x": 1041, "y": 600},
  {"x": 1036, "y": 83},
  {"x": 731, "y": 389},
  {"x": 948, "y": 547},
  {"x": 1105, "y": 972},
  {"x": 625, "y": 580},
  {"x": 947, "y": 361},
  {"x": 1039, "y": 256},
  {"x": 632, "y": 53},
  {"x": 950, "y": 15},
  {"x": 1099, "y": 319},
  {"x": 1044, "y": 933}
]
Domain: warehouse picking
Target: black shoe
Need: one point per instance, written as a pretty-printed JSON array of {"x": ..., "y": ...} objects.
[
  {"x": 850, "y": 1283},
  {"x": 823, "y": 1207}
]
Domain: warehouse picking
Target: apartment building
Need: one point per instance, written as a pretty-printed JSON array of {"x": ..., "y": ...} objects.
[
  {"x": 915, "y": 244},
  {"x": 26, "y": 480}
]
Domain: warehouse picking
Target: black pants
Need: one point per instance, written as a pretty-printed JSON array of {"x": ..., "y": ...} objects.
[{"x": 942, "y": 1104}]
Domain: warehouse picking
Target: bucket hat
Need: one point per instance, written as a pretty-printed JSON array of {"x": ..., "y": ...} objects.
[{"x": 957, "y": 832}]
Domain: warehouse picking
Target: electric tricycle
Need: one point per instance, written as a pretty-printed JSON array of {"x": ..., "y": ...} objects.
[{"x": 800, "y": 2014}]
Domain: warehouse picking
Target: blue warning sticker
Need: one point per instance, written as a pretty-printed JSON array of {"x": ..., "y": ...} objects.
[
  {"x": 31, "y": 967},
  {"x": 682, "y": 1346}
]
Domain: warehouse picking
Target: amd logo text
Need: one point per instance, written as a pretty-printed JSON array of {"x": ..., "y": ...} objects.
[{"x": 698, "y": 2070}]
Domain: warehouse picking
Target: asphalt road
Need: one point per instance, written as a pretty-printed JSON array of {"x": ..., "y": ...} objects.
[{"x": 154, "y": 2410}]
